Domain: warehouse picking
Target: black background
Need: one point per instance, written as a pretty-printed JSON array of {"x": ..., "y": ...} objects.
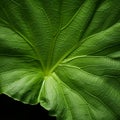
[{"x": 14, "y": 110}]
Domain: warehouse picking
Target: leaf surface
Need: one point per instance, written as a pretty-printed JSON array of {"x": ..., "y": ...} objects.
[{"x": 62, "y": 54}]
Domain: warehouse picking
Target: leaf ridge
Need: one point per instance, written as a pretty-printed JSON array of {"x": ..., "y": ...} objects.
[
  {"x": 55, "y": 76},
  {"x": 59, "y": 81},
  {"x": 99, "y": 98}
]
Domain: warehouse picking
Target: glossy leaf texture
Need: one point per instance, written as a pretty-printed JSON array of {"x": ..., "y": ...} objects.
[{"x": 63, "y": 54}]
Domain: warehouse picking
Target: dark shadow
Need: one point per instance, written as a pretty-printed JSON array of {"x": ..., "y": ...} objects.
[{"x": 15, "y": 110}]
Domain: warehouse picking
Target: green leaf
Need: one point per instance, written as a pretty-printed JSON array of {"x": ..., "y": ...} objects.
[{"x": 62, "y": 54}]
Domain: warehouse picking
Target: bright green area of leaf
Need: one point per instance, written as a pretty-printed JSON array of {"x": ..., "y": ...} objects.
[{"x": 63, "y": 54}]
